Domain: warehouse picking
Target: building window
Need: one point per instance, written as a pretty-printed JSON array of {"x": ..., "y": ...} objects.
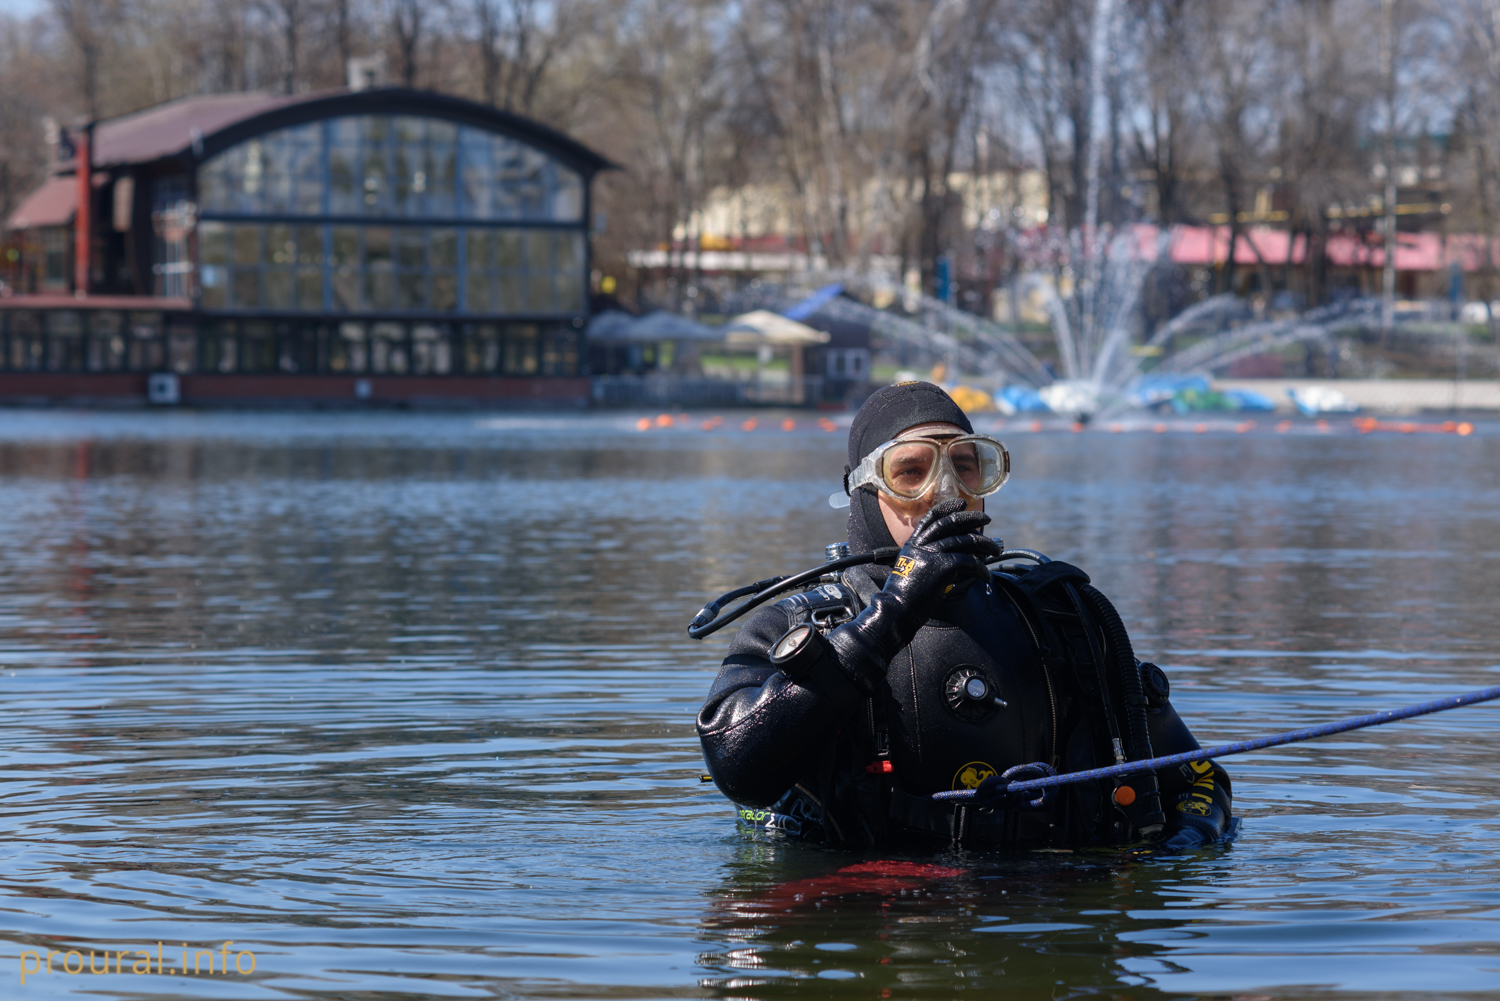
[
  {"x": 848, "y": 363},
  {"x": 521, "y": 351},
  {"x": 182, "y": 348},
  {"x": 65, "y": 341},
  {"x": 431, "y": 349},
  {"x": 146, "y": 345},
  {"x": 56, "y": 244},
  {"x": 220, "y": 347},
  {"x": 106, "y": 344},
  {"x": 71, "y": 340},
  {"x": 390, "y": 214},
  {"x": 280, "y": 267},
  {"x": 26, "y": 344},
  {"x": 173, "y": 216},
  {"x": 390, "y": 167}
]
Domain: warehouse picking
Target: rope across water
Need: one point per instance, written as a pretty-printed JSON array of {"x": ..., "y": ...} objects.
[{"x": 1224, "y": 750}]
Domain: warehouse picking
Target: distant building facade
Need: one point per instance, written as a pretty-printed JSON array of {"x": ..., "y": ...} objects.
[{"x": 385, "y": 244}]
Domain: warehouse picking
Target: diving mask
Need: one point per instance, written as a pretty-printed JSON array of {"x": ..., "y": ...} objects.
[{"x": 967, "y": 465}]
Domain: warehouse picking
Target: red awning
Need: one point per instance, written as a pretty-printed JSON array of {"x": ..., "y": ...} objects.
[
  {"x": 1209, "y": 245},
  {"x": 50, "y": 205}
]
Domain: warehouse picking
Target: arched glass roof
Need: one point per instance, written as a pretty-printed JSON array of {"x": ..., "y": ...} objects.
[{"x": 394, "y": 167}]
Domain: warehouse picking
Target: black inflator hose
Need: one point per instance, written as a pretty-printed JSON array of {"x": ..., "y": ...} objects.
[
  {"x": 1139, "y": 735},
  {"x": 710, "y": 619}
]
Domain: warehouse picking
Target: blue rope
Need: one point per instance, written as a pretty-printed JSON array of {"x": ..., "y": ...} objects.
[{"x": 1224, "y": 750}]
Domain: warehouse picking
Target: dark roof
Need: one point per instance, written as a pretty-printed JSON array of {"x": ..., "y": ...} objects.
[{"x": 193, "y": 129}]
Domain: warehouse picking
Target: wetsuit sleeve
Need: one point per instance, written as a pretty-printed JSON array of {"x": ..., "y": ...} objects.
[
  {"x": 1198, "y": 797},
  {"x": 759, "y": 728}
]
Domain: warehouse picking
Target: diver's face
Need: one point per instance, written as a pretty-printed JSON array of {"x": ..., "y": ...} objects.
[{"x": 901, "y": 516}]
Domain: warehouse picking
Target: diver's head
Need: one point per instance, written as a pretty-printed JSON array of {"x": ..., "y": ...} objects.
[{"x": 911, "y": 446}]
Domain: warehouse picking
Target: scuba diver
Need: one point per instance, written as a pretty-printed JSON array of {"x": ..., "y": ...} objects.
[{"x": 840, "y": 710}]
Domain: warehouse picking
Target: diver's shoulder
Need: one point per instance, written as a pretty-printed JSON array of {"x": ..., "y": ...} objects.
[{"x": 1033, "y": 571}]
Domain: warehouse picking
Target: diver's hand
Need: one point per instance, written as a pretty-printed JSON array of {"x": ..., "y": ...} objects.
[
  {"x": 1201, "y": 818},
  {"x": 944, "y": 555},
  {"x": 1193, "y": 832}
]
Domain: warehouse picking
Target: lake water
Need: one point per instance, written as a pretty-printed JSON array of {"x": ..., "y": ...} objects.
[{"x": 401, "y": 706}]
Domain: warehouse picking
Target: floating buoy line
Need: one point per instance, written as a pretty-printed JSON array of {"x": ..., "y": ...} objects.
[{"x": 1358, "y": 425}]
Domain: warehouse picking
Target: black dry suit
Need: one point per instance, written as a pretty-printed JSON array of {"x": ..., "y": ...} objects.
[{"x": 904, "y": 691}]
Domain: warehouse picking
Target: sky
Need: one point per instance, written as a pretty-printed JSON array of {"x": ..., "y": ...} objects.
[{"x": 20, "y": 8}]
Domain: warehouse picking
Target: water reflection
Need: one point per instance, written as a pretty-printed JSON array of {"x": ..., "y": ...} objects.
[{"x": 1036, "y": 923}]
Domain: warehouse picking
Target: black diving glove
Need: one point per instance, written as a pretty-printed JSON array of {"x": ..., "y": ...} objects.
[
  {"x": 1202, "y": 814},
  {"x": 944, "y": 556},
  {"x": 994, "y": 792}
]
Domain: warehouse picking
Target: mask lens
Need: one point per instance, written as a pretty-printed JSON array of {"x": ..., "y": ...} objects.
[
  {"x": 983, "y": 466},
  {"x": 968, "y": 466},
  {"x": 907, "y": 467}
]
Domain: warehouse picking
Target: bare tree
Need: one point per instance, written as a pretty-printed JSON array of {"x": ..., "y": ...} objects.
[
  {"x": 1164, "y": 82},
  {"x": 292, "y": 14},
  {"x": 1230, "y": 74},
  {"x": 406, "y": 21},
  {"x": 867, "y": 124},
  {"x": 516, "y": 49},
  {"x": 1478, "y": 25},
  {"x": 343, "y": 31},
  {"x": 87, "y": 23},
  {"x": 1052, "y": 73}
]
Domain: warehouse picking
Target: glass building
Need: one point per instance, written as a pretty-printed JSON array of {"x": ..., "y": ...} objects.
[{"x": 386, "y": 232}]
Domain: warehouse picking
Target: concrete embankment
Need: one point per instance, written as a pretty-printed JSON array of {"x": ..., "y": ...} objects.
[{"x": 1394, "y": 396}]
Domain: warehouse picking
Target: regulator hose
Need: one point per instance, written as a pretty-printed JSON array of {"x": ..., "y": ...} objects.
[
  {"x": 708, "y": 620},
  {"x": 1148, "y": 811}
]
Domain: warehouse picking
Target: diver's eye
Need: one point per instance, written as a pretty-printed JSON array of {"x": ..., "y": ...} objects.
[
  {"x": 908, "y": 466},
  {"x": 965, "y": 461},
  {"x": 909, "y": 473}
]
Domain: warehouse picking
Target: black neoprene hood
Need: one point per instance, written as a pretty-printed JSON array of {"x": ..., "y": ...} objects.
[{"x": 885, "y": 415}]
